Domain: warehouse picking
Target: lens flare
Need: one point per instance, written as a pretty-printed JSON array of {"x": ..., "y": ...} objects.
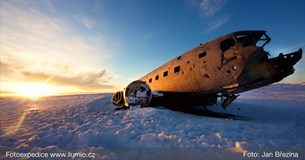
[{"x": 19, "y": 123}]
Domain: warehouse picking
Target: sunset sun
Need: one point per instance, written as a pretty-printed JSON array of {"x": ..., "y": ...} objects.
[{"x": 34, "y": 90}]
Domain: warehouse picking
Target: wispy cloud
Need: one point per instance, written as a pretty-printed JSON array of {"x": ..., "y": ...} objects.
[
  {"x": 68, "y": 76},
  {"x": 33, "y": 32},
  {"x": 84, "y": 81},
  {"x": 87, "y": 22},
  {"x": 146, "y": 37},
  {"x": 210, "y": 10},
  {"x": 216, "y": 23},
  {"x": 35, "y": 43}
]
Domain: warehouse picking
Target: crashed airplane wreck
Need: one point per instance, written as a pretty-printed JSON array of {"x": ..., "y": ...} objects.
[{"x": 223, "y": 67}]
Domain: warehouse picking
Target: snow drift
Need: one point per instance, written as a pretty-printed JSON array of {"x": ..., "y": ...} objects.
[{"x": 266, "y": 119}]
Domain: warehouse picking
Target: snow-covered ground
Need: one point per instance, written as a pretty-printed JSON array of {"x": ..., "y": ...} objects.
[{"x": 268, "y": 119}]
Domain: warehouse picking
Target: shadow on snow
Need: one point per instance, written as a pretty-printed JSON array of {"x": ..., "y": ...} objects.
[
  {"x": 199, "y": 112},
  {"x": 206, "y": 113}
]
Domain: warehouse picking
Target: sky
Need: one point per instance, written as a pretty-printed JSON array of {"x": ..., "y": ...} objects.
[{"x": 95, "y": 46}]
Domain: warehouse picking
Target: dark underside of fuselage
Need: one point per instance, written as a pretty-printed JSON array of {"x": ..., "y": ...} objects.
[{"x": 174, "y": 99}]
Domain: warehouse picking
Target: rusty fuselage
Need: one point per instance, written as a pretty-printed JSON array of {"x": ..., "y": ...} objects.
[{"x": 223, "y": 67}]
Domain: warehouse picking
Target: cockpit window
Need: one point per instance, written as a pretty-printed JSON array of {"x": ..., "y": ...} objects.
[
  {"x": 246, "y": 40},
  {"x": 252, "y": 38},
  {"x": 227, "y": 44}
]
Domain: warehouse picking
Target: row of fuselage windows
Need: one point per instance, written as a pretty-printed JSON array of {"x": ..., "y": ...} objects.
[{"x": 177, "y": 68}]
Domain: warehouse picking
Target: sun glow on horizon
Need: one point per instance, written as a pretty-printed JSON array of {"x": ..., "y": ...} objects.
[{"x": 33, "y": 90}]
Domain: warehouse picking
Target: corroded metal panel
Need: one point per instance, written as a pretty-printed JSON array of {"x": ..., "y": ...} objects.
[{"x": 222, "y": 67}]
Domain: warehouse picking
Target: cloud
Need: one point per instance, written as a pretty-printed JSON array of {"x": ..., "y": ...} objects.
[
  {"x": 6, "y": 68},
  {"x": 88, "y": 23},
  {"x": 210, "y": 10},
  {"x": 216, "y": 23},
  {"x": 9, "y": 66},
  {"x": 84, "y": 81},
  {"x": 30, "y": 31},
  {"x": 37, "y": 43},
  {"x": 97, "y": 80},
  {"x": 146, "y": 38},
  {"x": 6, "y": 92}
]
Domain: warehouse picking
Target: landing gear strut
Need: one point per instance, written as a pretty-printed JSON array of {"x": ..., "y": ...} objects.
[{"x": 226, "y": 100}]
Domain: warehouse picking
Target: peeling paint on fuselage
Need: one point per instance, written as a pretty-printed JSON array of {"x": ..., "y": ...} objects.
[{"x": 207, "y": 73}]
